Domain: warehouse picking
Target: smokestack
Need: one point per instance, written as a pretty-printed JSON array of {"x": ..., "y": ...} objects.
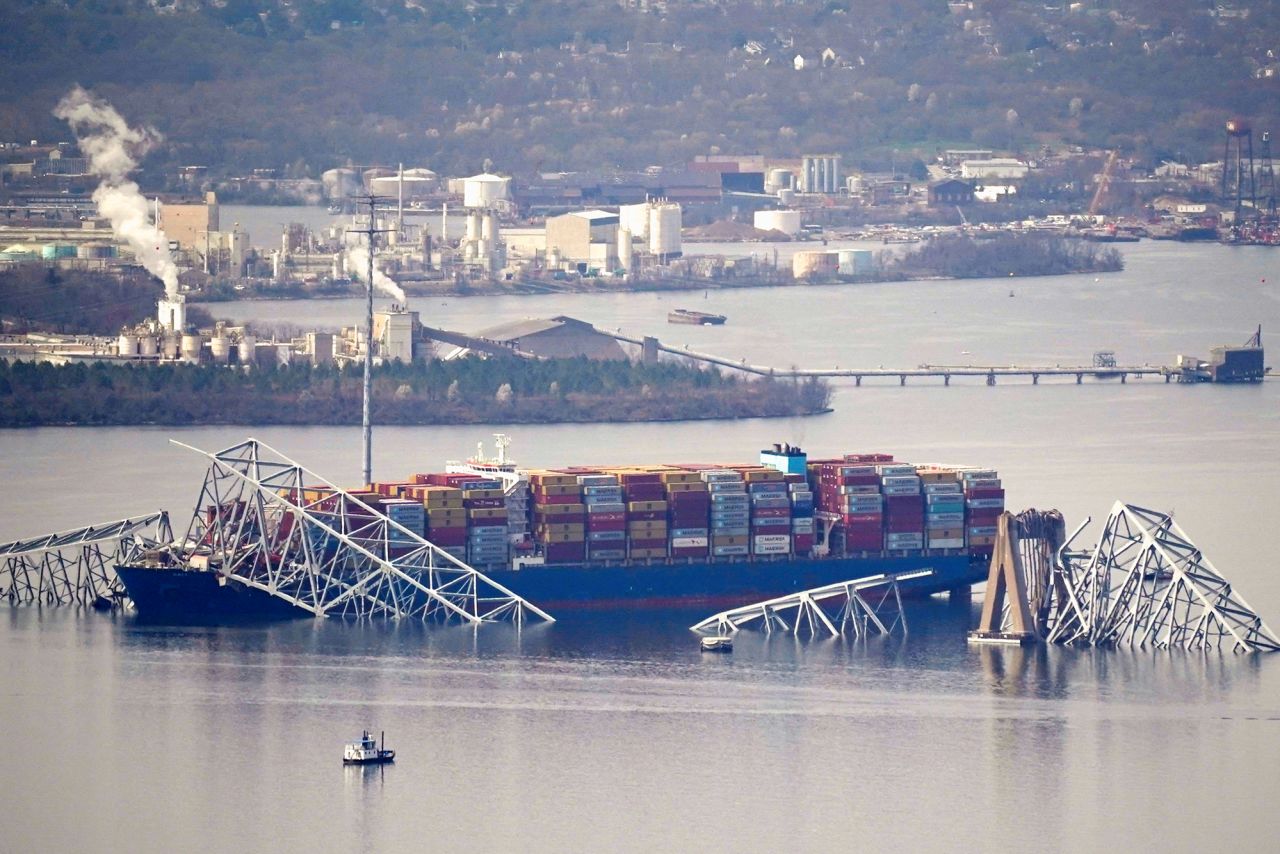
[{"x": 111, "y": 147}]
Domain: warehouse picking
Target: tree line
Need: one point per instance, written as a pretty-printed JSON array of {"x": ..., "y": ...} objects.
[{"x": 463, "y": 391}]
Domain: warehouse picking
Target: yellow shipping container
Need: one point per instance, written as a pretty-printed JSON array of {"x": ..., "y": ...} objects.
[
  {"x": 945, "y": 533},
  {"x": 546, "y": 478},
  {"x": 487, "y": 513},
  {"x": 687, "y": 486},
  {"x": 982, "y": 541},
  {"x": 550, "y": 537},
  {"x": 558, "y": 489},
  {"x": 762, "y": 475},
  {"x": 482, "y": 493},
  {"x": 563, "y": 528},
  {"x": 936, "y": 475},
  {"x": 645, "y": 506},
  {"x": 561, "y": 509},
  {"x": 670, "y": 477},
  {"x": 647, "y": 525}
]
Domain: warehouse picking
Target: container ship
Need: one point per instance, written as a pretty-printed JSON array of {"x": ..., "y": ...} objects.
[{"x": 670, "y": 535}]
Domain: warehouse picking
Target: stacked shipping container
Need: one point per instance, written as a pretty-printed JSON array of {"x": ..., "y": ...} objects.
[{"x": 871, "y": 502}]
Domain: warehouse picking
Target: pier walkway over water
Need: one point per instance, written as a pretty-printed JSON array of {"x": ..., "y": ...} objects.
[{"x": 944, "y": 372}]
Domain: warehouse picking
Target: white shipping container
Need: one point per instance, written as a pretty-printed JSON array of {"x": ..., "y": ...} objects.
[
  {"x": 689, "y": 542},
  {"x": 772, "y": 539},
  {"x": 770, "y": 549},
  {"x": 951, "y": 543}
]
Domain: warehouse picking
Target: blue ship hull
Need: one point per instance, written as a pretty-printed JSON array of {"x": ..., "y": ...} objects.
[
  {"x": 197, "y": 597},
  {"x": 721, "y": 584},
  {"x": 184, "y": 595}
]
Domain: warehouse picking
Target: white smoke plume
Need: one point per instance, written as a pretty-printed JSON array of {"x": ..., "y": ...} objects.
[
  {"x": 112, "y": 149},
  {"x": 358, "y": 267}
]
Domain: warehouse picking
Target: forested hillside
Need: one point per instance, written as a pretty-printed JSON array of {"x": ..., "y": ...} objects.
[{"x": 303, "y": 85}]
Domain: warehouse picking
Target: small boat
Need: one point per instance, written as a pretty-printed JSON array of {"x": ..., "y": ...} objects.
[
  {"x": 366, "y": 751},
  {"x": 719, "y": 643},
  {"x": 695, "y": 318}
]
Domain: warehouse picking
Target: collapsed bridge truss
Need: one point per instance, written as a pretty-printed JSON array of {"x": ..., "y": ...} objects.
[
  {"x": 77, "y": 567},
  {"x": 1144, "y": 584},
  {"x": 264, "y": 521}
]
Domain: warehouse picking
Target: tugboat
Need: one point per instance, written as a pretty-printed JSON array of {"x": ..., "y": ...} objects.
[
  {"x": 719, "y": 643},
  {"x": 367, "y": 752}
]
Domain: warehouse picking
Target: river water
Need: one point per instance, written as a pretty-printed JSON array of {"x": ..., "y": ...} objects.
[{"x": 600, "y": 734}]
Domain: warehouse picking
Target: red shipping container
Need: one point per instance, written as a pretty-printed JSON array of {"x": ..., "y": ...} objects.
[
  {"x": 647, "y": 516},
  {"x": 446, "y": 537},
  {"x": 628, "y": 478},
  {"x": 898, "y": 526},
  {"x": 688, "y": 520},
  {"x": 645, "y": 492},
  {"x": 489, "y": 503},
  {"x": 688, "y": 551},
  {"x": 594, "y": 524},
  {"x": 985, "y": 493},
  {"x": 648, "y": 542},
  {"x": 863, "y": 519},
  {"x": 539, "y": 498},
  {"x": 612, "y": 516},
  {"x": 559, "y": 518},
  {"x": 690, "y": 498},
  {"x": 565, "y": 552},
  {"x": 802, "y": 542},
  {"x": 771, "y": 513}
]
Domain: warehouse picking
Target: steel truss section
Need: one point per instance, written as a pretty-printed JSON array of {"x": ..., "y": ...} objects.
[
  {"x": 77, "y": 567},
  {"x": 268, "y": 523},
  {"x": 862, "y": 607},
  {"x": 1146, "y": 583}
]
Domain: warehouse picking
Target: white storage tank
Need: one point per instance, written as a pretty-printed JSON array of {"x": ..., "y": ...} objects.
[
  {"x": 170, "y": 347},
  {"x": 191, "y": 348},
  {"x": 246, "y": 350},
  {"x": 814, "y": 264},
  {"x": 340, "y": 183},
  {"x": 664, "y": 229},
  {"x": 484, "y": 191},
  {"x": 788, "y": 222},
  {"x": 635, "y": 218},
  {"x": 787, "y": 197},
  {"x": 127, "y": 345},
  {"x": 147, "y": 346},
  {"x": 220, "y": 349},
  {"x": 778, "y": 179}
]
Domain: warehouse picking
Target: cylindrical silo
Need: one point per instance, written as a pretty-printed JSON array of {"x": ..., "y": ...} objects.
[
  {"x": 624, "y": 249},
  {"x": 191, "y": 348},
  {"x": 127, "y": 345},
  {"x": 220, "y": 349},
  {"x": 246, "y": 349},
  {"x": 147, "y": 346}
]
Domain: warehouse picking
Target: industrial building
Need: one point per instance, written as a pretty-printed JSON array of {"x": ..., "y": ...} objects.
[
  {"x": 188, "y": 224},
  {"x": 588, "y": 238},
  {"x": 994, "y": 169}
]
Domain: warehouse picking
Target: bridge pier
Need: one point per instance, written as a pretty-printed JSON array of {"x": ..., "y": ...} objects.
[
  {"x": 1035, "y": 379},
  {"x": 991, "y": 378},
  {"x": 857, "y": 380},
  {"x": 1124, "y": 378},
  {"x": 946, "y": 379},
  {"x": 1167, "y": 377},
  {"x": 902, "y": 379},
  {"x": 1079, "y": 379}
]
